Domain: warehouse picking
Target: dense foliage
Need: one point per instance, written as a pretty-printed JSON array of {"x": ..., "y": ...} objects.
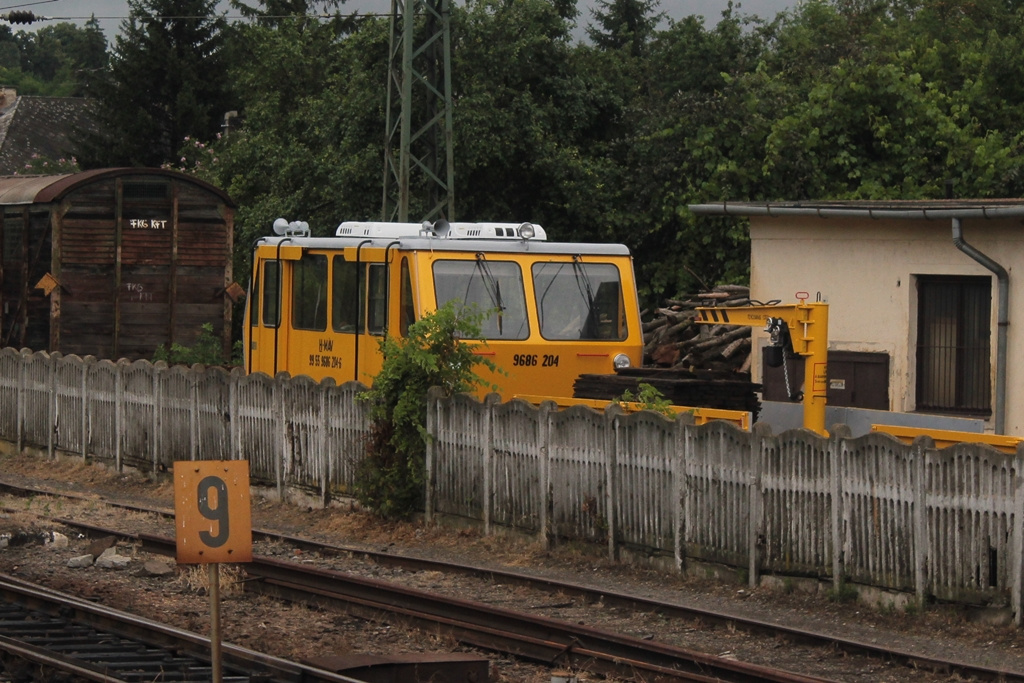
[
  {"x": 602, "y": 127},
  {"x": 59, "y": 60},
  {"x": 167, "y": 80}
]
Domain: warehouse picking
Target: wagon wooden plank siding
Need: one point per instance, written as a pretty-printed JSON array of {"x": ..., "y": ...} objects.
[{"x": 114, "y": 263}]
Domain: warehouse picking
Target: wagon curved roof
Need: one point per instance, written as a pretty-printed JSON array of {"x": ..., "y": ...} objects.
[{"x": 51, "y": 188}]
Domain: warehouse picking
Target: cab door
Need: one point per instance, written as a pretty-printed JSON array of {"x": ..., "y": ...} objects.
[
  {"x": 334, "y": 315},
  {"x": 358, "y": 315},
  {"x": 310, "y": 350},
  {"x": 264, "y": 317}
]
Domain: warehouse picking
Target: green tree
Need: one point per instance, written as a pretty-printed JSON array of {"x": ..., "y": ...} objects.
[
  {"x": 391, "y": 477},
  {"x": 925, "y": 96},
  {"x": 624, "y": 24},
  {"x": 880, "y": 131},
  {"x": 698, "y": 126},
  {"x": 64, "y": 53},
  {"x": 10, "y": 54},
  {"x": 310, "y": 144},
  {"x": 532, "y": 119},
  {"x": 612, "y": 141},
  {"x": 272, "y": 13},
  {"x": 167, "y": 80}
]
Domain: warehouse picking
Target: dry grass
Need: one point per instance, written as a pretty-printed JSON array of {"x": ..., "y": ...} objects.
[{"x": 196, "y": 579}]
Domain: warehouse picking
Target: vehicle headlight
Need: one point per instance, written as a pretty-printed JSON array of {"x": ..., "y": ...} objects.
[{"x": 621, "y": 361}]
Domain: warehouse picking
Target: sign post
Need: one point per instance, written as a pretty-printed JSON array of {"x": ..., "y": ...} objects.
[{"x": 213, "y": 524}]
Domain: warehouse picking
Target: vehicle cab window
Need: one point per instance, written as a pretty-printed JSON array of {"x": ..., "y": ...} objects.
[
  {"x": 271, "y": 294},
  {"x": 309, "y": 293},
  {"x": 491, "y": 287},
  {"x": 579, "y": 301}
]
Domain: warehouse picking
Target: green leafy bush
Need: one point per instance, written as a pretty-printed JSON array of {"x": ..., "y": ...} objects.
[
  {"x": 391, "y": 477},
  {"x": 646, "y": 397},
  {"x": 206, "y": 350}
]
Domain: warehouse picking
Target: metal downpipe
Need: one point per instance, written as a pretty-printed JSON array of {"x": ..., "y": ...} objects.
[{"x": 1002, "y": 322}]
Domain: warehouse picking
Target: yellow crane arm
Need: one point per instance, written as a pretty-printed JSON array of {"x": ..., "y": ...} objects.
[{"x": 801, "y": 328}]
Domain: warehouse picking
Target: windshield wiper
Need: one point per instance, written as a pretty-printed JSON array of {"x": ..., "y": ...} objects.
[
  {"x": 587, "y": 290},
  {"x": 492, "y": 286}
]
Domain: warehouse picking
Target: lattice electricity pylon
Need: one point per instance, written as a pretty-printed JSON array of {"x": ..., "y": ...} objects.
[{"x": 418, "y": 137}]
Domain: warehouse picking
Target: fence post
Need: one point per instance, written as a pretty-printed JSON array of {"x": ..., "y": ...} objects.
[
  {"x": 1017, "y": 565},
  {"x": 193, "y": 414},
  {"x": 119, "y": 414},
  {"x": 52, "y": 406},
  {"x": 760, "y": 433},
  {"x": 282, "y": 424},
  {"x": 919, "y": 452},
  {"x": 158, "y": 406},
  {"x": 544, "y": 475},
  {"x": 612, "y": 415},
  {"x": 434, "y": 395},
  {"x": 835, "y": 445},
  {"x": 86, "y": 364},
  {"x": 321, "y": 443},
  {"x": 22, "y": 381},
  {"x": 490, "y": 401},
  {"x": 678, "y": 481},
  {"x": 234, "y": 433}
]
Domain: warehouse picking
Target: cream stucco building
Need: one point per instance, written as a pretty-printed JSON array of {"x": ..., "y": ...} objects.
[{"x": 923, "y": 295}]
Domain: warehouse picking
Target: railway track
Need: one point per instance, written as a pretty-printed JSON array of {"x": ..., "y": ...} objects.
[
  {"x": 543, "y": 641},
  {"x": 56, "y": 635}
]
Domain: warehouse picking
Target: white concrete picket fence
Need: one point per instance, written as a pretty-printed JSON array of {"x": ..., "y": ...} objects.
[{"x": 870, "y": 510}]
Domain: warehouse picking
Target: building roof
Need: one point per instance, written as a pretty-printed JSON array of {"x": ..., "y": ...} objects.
[
  {"x": 43, "y": 126},
  {"x": 45, "y": 189},
  {"x": 893, "y": 209}
]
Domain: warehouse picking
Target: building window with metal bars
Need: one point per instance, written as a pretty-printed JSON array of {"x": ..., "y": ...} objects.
[{"x": 954, "y": 344}]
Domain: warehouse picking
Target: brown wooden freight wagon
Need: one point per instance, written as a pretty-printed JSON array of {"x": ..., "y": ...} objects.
[{"x": 114, "y": 262}]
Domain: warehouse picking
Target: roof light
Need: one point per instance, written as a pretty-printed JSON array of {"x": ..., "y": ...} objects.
[
  {"x": 526, "y": 231},
  {"x": 297, "y": 228}
]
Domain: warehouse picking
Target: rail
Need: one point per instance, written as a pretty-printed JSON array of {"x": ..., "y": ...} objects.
[
  {"x": 588, "y": 594},
  {"x": 61, "y": 632}
]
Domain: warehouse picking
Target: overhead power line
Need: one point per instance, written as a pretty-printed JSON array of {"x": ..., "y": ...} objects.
[
  {"x": 27, "y": 4},
  {"x": 36, "y": 17}
]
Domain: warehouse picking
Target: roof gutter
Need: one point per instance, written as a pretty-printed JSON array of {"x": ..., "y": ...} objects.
[
  {"x": 1002, "y": 321},
  {"x": 726, "y": 209}
]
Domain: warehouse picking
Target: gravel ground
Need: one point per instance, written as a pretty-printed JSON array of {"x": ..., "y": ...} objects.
[{"x": 296, "y": 632}]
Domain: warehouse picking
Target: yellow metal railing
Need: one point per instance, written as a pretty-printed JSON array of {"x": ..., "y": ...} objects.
[
  {"x": 701, "y": 416},
  {"x": 944, "y": 437}
]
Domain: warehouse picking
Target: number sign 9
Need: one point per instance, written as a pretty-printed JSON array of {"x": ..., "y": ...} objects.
[
  {"x": 213, "y": 521},
  {"x": 218, "y": 514}
]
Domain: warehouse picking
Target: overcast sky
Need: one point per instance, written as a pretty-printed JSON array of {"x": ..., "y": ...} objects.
[{"x": 110, "y": 13}]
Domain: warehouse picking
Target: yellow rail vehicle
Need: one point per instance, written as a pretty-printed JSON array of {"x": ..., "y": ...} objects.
[{"x": 318, "y": 305}]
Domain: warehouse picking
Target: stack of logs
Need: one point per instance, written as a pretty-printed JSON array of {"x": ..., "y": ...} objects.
[
  {"x": 673, "y": 340},
  {"x": 690, "y": 363}
]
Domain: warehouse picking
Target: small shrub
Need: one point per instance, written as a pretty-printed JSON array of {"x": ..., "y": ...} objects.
[
  {"x": 206, "y": 350},
  {"x": 391, "y": 476},
  {"x": 647, "y": 397}
]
